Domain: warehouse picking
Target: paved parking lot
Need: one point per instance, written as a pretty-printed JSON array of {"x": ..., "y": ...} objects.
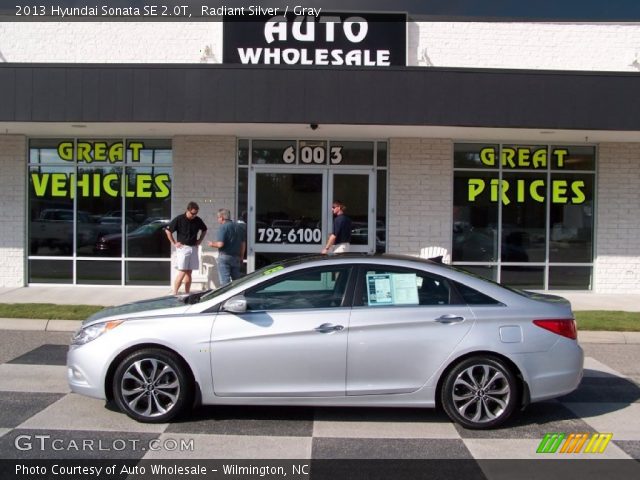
[{"x": 40, "y": 419}]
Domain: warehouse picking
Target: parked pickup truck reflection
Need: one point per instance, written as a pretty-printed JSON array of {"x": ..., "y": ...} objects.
[{"x": 54, "y": 230}]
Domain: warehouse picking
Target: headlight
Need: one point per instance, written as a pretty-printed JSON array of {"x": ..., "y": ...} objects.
[{"x": 87, "y": 334}]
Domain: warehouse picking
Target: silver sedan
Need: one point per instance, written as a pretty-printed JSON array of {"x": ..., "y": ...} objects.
[{"x": 345, "y": 330}]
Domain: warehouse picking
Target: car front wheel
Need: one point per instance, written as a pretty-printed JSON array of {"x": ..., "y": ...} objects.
[
  {"x": 152, "y": 386},
  {"x": 480, "y": 393}
]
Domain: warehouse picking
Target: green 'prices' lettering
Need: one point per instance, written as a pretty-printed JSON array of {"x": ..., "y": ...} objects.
[{"x": 520, "y": 190}]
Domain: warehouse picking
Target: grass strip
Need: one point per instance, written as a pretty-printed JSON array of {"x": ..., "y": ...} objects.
[
  {"x": 47, "y": 311},
  {"x": 608, "y": 320}
]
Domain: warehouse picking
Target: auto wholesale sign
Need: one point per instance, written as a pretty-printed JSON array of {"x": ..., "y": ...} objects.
[{"x": 321, "y": 39}]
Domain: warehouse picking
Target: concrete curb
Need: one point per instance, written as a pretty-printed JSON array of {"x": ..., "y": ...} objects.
[
  {"x": 630, "y": 338},
  {"x": 39, "y": 325}
]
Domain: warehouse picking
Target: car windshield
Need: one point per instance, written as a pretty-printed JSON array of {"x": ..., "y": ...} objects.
[{"x": 268, "y": 270}]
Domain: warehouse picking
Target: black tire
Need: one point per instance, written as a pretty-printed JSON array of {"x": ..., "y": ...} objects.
[
  {"x": 480, "y": 393},
  {"x": 152, "y": 386}
]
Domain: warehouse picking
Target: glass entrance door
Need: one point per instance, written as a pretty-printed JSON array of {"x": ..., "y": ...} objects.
[
  {"x": 286, "y": 214},
  {"x": 355, "y": 190},
  {"x": 289, "y": 212}
]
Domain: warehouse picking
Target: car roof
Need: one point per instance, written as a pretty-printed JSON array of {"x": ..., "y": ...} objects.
[
  {"x": 346, "y": 257},
  {"x": 486, "y": 286}
]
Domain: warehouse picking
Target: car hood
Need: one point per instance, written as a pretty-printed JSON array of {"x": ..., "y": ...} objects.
[{"x": 172, "y": 304}]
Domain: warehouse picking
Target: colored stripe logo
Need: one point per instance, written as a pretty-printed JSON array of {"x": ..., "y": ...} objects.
[{"x": 574, "y": 443}]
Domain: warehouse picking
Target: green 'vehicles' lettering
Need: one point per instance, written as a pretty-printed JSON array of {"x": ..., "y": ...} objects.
[{"x": 96, "y": 185}]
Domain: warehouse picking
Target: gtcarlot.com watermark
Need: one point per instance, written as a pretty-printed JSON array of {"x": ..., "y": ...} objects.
[{"x": 50, "y": 443}]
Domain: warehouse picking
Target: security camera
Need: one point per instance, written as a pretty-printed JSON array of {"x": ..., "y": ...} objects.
[{"x": 313, "y": 126}]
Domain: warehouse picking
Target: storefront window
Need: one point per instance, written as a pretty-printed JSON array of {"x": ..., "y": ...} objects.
[
  {"x": 99, "y": 205},
  {"x": 352, "y": 153},
  {"x": 51, "y": 210},
  {"x": 475, "y": 217},
  {"x": 94, "y": 199},
  {"x": 523, "y": 217},
  {"x": 571, "y": 220},
  {"x": 531, "y": 203},
  {"x": 148, "y": 211},
  {"x": 381, "y": 157},
  {"x": 381, "y": 208},
  {"x": 50, "y": 271},
  {"x": 273, "y": 152},
  {"x": 243, "y": 152},
  {"x": 147, "y": 273}
]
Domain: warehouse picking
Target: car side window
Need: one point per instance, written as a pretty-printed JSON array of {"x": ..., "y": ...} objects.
[
  {"x": 474, "y": 297},
  {"x": 399, "y": 286},
  {"x": 312, "y": 288}
]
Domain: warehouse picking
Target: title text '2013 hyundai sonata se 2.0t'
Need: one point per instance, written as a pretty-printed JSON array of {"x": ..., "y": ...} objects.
[{"x": 344, "y": 330}]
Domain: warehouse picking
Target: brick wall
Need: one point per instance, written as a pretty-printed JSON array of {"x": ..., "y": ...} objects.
[
  {"x": 617, "y": 263},
  {"x": 420, "y": 194},
  {"x": 111, "y": 42},
  {"x": 204, "y": 170},
  {"x": 13, "y": 234},
  {"x": 564, "y": 46},
  {"x": 554, "y": 46}
]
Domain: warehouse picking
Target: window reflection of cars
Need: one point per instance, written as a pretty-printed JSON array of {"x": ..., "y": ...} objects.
[
  {"x": 284, "y": 225},
  {"x": 134, "y": 215},
  {"x": 475, "y": 245},
  {"x": 109, "y": 224},
  {"x": 54, "y": 229},
  {"x": 148, "y": 240},
  {"x": 360, "y": 236}
]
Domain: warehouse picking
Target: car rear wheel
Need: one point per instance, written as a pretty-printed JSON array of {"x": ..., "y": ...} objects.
[
  {"x": 480, "y": 392},
  {"x": 152, "y": 386}
]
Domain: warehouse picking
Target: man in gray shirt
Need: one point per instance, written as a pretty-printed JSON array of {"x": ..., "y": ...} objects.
[{"x": 231, "y": 243}]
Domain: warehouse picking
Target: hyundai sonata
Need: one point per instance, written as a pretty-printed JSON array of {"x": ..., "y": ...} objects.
[{"x": 344, "y": 330}]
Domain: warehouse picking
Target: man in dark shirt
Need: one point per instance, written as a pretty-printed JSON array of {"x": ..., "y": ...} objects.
[
  {"x": 187, "y": 226},
  {"x": 340, "y": 239}
]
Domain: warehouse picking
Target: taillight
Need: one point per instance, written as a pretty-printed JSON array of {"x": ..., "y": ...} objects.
[{"x": 563, "y": 326}]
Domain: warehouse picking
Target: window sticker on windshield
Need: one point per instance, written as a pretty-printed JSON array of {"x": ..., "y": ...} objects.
[
  {"x": 392, "y": 289},
  {"x": 273, "y": 270}
]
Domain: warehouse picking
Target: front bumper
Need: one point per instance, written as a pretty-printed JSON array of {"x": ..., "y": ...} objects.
[{"x": 86, "y": 370}]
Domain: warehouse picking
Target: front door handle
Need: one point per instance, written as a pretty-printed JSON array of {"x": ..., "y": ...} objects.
[
  {"x": 450, "y": 319},
  {"x": 328, "y": 328}
]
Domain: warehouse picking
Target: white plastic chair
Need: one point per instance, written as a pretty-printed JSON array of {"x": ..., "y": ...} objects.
[
  {"x": 207, "y": 274},
  {"x": 436, "y": 253}
]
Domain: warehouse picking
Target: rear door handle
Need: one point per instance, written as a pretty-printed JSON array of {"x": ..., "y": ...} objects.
[
  {"x": 450, "y": 319},
  {"x": 328, "y": 328}
]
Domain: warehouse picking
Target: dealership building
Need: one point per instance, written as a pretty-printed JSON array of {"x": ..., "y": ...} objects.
[{"x": 513, "y": 147}]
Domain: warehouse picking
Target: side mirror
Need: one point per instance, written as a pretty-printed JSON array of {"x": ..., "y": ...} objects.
[{"x": 237, "y": 304}]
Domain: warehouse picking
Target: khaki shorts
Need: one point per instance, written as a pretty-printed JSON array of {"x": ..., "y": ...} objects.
[
  {"x": 340, "y": 248},
  {"x": 187, "y": 258}
]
